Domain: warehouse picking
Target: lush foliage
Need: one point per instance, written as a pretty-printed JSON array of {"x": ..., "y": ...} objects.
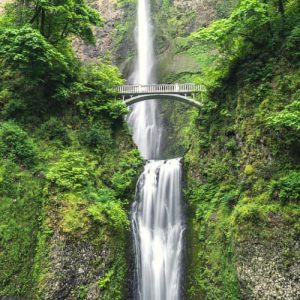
[
  {"x": 289, "y": 117},
  {"x": 39, "y": 32},
  {"x": 121, "y": 179},
  {"x": 252, "y": 26},
  {"x": 242, "y": 148},
  {"x": 16, "y": 145},
  {"x": 68, "y": 168},
  {"x": 57, "y": 20},
  {"x": 72, "y": 171},
  {"x": 287, "y": 188},
  {"x": 62, "y": 138},
  {"x": 21, "y": 47},
  {"x": 94, "y": 92},
  {"x": 54, "y": 129}
]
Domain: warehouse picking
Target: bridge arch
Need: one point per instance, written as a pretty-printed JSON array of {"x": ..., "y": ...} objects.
[{"x": 176, "y": 97}]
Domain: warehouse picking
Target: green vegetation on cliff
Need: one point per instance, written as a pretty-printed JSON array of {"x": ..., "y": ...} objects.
[
  {"x": 243, "y": 162},
  {"x": 68, "y": 167}
]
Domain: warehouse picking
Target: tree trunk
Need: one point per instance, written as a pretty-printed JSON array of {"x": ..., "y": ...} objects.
[{"x": 281, "y": 7}]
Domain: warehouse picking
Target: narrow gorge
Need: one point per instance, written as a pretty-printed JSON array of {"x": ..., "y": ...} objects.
[{"x": 160, "y": 200}]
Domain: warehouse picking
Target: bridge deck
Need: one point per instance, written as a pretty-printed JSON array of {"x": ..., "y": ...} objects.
[{"x": 186, "y": 89}]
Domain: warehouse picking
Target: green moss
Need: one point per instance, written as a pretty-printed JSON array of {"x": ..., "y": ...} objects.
[
  {"x": 72, "y": 192},
  {"x": 20, "y": 209},
  {"x": 112, "y": 283},
  {"x": 249, "y": 170},
  {"x": 212, "y": 244},
  {"x": 73, "y": 215}
]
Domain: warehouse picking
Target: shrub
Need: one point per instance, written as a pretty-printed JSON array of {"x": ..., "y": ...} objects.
[
  {"x": 287, "y": 188},
  {"x": 71, "y": 172},
  {"x": 230, "y": 196},
  {"x": 288, "y": 118},
  {"x": 249, "y": 170},
  {"x": 249, "y": 213},
  {"x": 16, "y": 145},
  {"x": 95, "y": 93},
  {"x": 293, "y": 45},
  {"x": 110, "y": 213},
  {"x": 103, "y": 194},
  {"x": 54, "y": 129},
  {"x": 97, "y": 137},
  {"x": 124, "y": 179},
  {"x": 103, "y": 281},
  {"x": 13, "y": 108},
  {"x": 116, "y": 109}
]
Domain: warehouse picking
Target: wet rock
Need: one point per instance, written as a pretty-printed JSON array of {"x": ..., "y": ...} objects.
[{"x": 2, "y": 4}]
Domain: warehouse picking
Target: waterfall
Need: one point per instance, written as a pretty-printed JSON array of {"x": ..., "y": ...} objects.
[
  {"x": 157, "y": 220},
  {"x": 158, "y": 231},
  {"x": 144, "y": 117}
]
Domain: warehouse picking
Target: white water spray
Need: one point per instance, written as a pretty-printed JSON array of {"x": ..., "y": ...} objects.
[{"x": 157, "y": 212}]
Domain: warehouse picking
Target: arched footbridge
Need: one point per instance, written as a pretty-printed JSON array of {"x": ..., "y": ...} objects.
[{"x": 185, "y": 93}]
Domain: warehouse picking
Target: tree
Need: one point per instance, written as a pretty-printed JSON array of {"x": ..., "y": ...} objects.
[
  {"x": 58, "y": 19},
  {"x": 247, "y": 25},
  {"x": 31, "y": 72},
  {"x": 39, "y": 72},
  {"x": 26, "y": 50},
  {"x": 94, "y": 92}
]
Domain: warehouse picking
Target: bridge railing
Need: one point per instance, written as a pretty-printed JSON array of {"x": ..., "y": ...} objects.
[{"x": 186, "y": 88}]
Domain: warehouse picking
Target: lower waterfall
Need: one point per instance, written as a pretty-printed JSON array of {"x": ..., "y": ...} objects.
[{"x": 158, "y": 231}]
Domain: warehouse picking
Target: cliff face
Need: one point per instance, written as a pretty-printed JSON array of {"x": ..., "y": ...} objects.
[
  {"x": 268, "y": 268},
  {"x": 203, "y": 12},
  {"x": 83, "y": 252},
  {"x": 2, "y": 4},
  {"x": 173, "y": 19},
  {"x": 243, "y": 238},
  {"x": 112, "y": 14},
  {"x": 115, "y": 38},
  {"x": 64, "y": 227}
]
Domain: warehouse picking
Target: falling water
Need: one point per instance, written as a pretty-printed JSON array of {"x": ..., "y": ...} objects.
[
  {"x": 157, "y": 212},
  {"x": 144, "y": 117},
  {"x": 158, "y": 231}
]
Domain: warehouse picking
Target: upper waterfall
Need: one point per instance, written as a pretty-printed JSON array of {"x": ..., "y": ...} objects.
[
  {"x": 144, "y": 71},
  {"x": 144, "y": 117}
]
